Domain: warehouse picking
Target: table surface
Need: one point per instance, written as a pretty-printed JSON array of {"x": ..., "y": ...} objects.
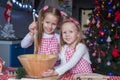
[
  {"x": 48, "y": 78},
  {"x": 6, "y": 76},
  {"x": 111, "y": 78}
]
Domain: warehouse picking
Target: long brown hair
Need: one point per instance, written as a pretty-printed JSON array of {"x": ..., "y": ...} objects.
[{"x": 42, "y": 14}]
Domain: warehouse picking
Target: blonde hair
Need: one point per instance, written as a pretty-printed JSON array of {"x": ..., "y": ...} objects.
[
  {"x": 62, "y": 42},
  {"x": 42, "y": 15}
]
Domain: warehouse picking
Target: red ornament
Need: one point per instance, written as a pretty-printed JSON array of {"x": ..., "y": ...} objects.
[
  {"x": 7, "y": 13},
  {"x": 101, "y": 33},
  {"x": 117, "y": 16},
  {"x": 116, "y": 36},
  {"x": 115, "y": 52}
]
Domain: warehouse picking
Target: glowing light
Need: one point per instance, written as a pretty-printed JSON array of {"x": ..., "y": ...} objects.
[{"x": 25, "y": 6}]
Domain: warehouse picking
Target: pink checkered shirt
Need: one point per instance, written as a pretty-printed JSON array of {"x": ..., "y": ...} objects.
[
  {"x": 83, "y": 66},
  {"x": 49, "y": 46}
]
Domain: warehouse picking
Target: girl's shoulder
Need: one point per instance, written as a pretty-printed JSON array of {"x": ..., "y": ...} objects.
[{"x": 81, "y": 45}]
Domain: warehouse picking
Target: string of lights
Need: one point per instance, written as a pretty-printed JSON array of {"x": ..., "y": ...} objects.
[{"x": 25, "y": 6}]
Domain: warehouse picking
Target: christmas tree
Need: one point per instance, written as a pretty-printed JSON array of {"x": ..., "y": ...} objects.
[
  {"x": 103, "y": 37},
  {"x": 7, "y": 31}
]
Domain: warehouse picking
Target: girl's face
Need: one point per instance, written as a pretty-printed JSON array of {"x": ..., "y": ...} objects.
[
  {"x": 70, "y": 33},
  {"x": 50, "y": 23}
]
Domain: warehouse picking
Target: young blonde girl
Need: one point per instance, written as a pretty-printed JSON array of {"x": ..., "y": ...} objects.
[
  {"x": 74, "y": 54},
  {"x": 43, "y": 32}
]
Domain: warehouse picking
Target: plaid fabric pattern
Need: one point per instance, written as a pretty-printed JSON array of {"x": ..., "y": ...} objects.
[
  {"x": 114, "y": 78},
  {"x": 68, "y": 53},
  {"x": 81, "y": 67},
  {"x": 49, "y": 46},
  {"x": 67, "y": 76}
]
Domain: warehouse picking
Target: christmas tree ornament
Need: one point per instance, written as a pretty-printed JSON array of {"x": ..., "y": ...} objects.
[
  {"x": 91, "y": 44},
  {"x": 105, "y": 30},
  {"x": 8, "y": 10},
  {"x": 98, "y": 24},
  {"x": 115, "y": 52},
  {"x": 7, "y": 31},
  {"x": 108, "y": 63},
  {"x": 95, "y": 37},
  {"x": 117, "y": 16},
  {"x": 113, "y": 25},
  {"x": 95, "y": 43},
  {"x": 87, "y": 41},
  {"x": 118, "y": 4},
  {"x": 93, "y": 21},
  {"x": 108, "y": 39},
  {"x": 99, "y": 60},
  {"x": 89, "y": 30},
  {"x": 101, "y": 33},
  {"x": 116, "y": 36},
  {"x": 110, "y": 73},
  {"x": 93, "y": 54},
  {"x": 109, "y": 15},
  {"x": 90, "y": 34},
  {"x": 101, "y": 40},
  {"x": 114, "y": 7},
  {"x": 109, "y": 3},
  {"x": 103, "y": 8},
  {"x": 112, "y": 30}
]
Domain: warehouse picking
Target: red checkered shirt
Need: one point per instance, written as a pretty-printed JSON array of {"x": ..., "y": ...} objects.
[
  {"x": 83, "y": 66},
  {"x": 49, "y": 46}
]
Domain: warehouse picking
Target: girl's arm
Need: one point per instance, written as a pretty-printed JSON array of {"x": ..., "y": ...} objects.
[
  {"x": 29, "y": 38},
  {"x": 27, "y": 41},
  {"x": 80, "y": 51}
]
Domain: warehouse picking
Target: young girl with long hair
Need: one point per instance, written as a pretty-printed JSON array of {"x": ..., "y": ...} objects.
[
  {"x": 42, "y": 32},
  {"x": 74, "y": 54}
]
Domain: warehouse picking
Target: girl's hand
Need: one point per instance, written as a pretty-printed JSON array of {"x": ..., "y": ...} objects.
[
  {"x": 32, "y": 28},
  {"x": 50, "y": 73}
]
